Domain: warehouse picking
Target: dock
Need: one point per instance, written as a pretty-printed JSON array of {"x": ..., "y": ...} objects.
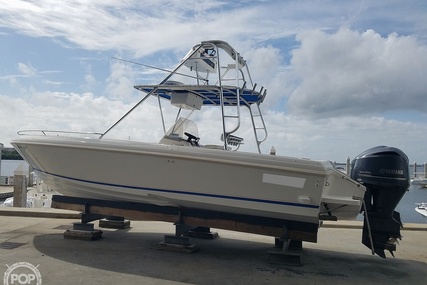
[
  {"x": 6, "y": 192},
  {"x": 130, "y": 256}
]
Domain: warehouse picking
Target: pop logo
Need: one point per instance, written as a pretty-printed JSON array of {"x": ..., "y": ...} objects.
[{"x": 22, "y": 273}]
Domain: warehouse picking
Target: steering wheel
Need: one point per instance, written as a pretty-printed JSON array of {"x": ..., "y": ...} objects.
[{"x": 192, "y": 139}]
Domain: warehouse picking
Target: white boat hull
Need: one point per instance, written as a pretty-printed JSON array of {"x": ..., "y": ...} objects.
[
  {"x": 422, "y": 182},
  {"x": 422, "y": 209},
  {"x": 218, "y": 180}
]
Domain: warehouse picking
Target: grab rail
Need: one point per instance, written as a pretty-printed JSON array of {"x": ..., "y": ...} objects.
[{"x": 58, "y": 133}]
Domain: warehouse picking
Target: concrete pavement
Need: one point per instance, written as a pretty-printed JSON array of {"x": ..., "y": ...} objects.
[{"x": 130, "y": 256}]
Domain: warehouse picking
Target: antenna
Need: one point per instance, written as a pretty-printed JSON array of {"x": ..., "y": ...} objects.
[{"x": 158, "y": 68}]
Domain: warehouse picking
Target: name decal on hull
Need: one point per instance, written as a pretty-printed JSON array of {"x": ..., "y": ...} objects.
[{"x": 289, "y": 181}]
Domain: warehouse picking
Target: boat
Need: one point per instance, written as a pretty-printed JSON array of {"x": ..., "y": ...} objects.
[
  {"x": 38, "y": 196},
  {"x": 419, "y": 180},
  {"x": 181, "y": 171},
  {"x": 421, "y": 208}
]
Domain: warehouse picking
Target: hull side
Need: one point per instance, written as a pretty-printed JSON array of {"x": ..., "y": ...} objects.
[{"x": 235, "y": 182}]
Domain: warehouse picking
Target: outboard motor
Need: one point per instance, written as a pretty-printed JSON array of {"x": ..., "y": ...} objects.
[{"x": 384, "y": 171}]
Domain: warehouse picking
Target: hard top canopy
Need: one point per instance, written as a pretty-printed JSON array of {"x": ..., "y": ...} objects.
[{"x": 209, "y": 93}]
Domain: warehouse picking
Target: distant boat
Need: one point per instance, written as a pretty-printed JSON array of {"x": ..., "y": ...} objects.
[
  {"x": 422, "y": 209},
  {"x": 419, "y": 179},
  {"x": 39, "y": 196}
]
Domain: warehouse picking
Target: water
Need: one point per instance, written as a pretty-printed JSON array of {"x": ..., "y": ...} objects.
[
  {"x": 406, "y": 207},
  {"x": 414, "y": 195},
  {"x": 8, "y": 166}
]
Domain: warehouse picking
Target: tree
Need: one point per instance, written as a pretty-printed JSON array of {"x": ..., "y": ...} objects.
[{"x": 10, "y": 153}]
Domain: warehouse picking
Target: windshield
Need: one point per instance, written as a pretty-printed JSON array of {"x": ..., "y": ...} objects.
[{"x": 181, "y": 126}]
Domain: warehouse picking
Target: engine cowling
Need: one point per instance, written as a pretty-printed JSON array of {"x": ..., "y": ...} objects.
[{"x": 384, "y": 171}]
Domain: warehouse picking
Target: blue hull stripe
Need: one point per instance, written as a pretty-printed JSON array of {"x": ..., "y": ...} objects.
[{"x": 187, "y": 193}]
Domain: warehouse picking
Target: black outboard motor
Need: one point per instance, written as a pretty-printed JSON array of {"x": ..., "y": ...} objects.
[{"x": 384, "y": 171}]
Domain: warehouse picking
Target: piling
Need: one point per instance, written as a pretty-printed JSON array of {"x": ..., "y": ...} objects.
[
  {"x": 30, "y": 182},
  {"x": 20, "y": 187},
  {"x": 1, "y": 148},
  {"x": 425, "y": 169},
  {"x": 415, "y": 170},
  {"x": 348, "y": 166}
]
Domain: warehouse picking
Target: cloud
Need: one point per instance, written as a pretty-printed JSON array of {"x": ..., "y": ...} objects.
[
  {"x": 327, "y": 138},
  {"x": 121, "y": 81},
  {"x": 105, "y": 25},
  {"x": 57, "y": 83},
  {"x": 352, "y": 73},
  {"x": 89, "y": 81},
  {"x": 12, "y": 79},
  {"x": 335, "y": 139},
  {"x": 338, "y": 89},
  {"x": 144, "y": 28},
  {"x": 27, "y": 69}
]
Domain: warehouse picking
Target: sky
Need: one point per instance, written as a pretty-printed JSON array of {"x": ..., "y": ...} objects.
[{"x": 341, "y": 76}]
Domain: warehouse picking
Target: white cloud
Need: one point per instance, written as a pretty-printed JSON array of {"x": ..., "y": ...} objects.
[
  {"x": 57, "y": 83},
  {"x": 12, "y": 79},
  {"x": 26, "y": 69},
  {"x": 352, "y": 73},
  {"x": 335, "y": 139},
  {"x": 330, "y": 139},
  {"x": 121, "y": 81},
  {"x": 89, "y": 81}
]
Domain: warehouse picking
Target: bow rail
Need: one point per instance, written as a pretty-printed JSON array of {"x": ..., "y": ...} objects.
[{"x": 58, "y": 133}]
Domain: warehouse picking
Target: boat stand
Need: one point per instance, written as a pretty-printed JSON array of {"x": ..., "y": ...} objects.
[
  {"x": 85, "y": 230},
  {"x": 181, "y": 241},
  {"x": 177, "y": 243},
  {"x": 290, "y": 234},
  {"x": 283, "y": 246},
  {"x": 201, "y": 233},
  {"x": 114, "y": 223}
]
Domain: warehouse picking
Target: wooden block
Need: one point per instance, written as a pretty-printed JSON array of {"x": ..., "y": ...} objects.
[
  {"x": 177, "y": 247},
  {"x": 177, "y": 243},
  {"x": 83, "y": 235},
  {"x": 201, "y": 235},
  {"x": 83, "y": 227},
  {"x": 112, "y": 224},
  {"x": 178, "y": 240}
]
